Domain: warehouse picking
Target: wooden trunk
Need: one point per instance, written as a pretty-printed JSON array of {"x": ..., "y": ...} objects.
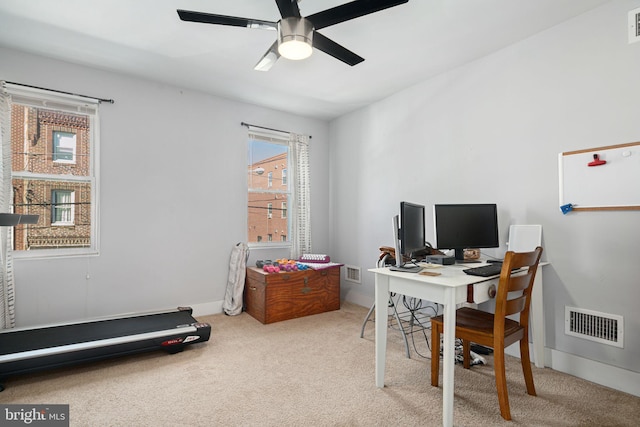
[{"x": 272, "y": 297}]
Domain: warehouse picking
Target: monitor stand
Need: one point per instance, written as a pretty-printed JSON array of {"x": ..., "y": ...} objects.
[{"x": 459, "y": 256}]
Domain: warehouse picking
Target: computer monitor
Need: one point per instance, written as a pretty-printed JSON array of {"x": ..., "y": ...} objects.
[
  {"x": 412, "y": 228},
  {"x": 408, "y": 235},
  {"x": 409, "y": 231},
  {"x": 464, "y": 226}
]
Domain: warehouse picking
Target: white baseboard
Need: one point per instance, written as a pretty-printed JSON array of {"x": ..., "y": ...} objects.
[
  {"x": 357, "y": 298},
  {"x": 590, "y": 370},
  {"x": 207, "y": 308},
  {"x": 596, "y": 372}
]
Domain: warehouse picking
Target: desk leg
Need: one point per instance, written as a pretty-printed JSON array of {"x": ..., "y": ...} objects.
[
  {"x": 448, "y": 356},
  {"x": 381, "y": 300},
  {"x": 537, "y": 320}
]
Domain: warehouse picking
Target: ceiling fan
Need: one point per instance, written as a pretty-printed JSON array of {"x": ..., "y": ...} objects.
[{"x": 298, "y": 35}]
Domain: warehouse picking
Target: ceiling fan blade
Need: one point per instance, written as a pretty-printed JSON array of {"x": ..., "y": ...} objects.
[
  {"x": 210, "y": 18},
  {"x": 269, "y": 58},
  {"x": 351, "y": 10},
  {"x": 288, "y": 8},
  {"x": 332, "y": 48}
]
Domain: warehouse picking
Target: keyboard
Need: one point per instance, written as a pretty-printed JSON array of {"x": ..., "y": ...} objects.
[{"x": 484, "y": 270}]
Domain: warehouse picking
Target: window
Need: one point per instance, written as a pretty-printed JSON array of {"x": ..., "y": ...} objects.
[
  {"x": 62, "y": 204},
  {"x": 54, "y": 146},
  {"x": 284, "y": 157},
  {"x": 64, "y": 147},
  {"x": 265, "y": 154}
]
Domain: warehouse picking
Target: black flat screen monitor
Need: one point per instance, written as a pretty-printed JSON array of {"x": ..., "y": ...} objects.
[
  {"x": 412, "y": 228},
  {"x": 464, "y": 226}
]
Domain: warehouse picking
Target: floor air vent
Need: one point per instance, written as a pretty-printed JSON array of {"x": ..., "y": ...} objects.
[
  {"x": 592, "y": 325},
  {"x": 352, "y": 274}
]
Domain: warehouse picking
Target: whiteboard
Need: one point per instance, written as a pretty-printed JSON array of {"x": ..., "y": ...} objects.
[{"x": 614, "y": 185}]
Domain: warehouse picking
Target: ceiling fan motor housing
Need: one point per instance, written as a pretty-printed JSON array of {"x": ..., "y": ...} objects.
[{"x": 295, "y": 38}]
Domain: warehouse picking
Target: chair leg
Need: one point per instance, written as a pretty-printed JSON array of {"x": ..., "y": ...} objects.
[
  {"x": 501, "y": 382},
  {"x": 466, "y": 354},
  {"x": 526, "y": 366},
  {"x": 435, "y": 353}
]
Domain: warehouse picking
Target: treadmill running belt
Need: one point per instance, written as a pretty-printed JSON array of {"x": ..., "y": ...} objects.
[{"x": 34, "y": 349}]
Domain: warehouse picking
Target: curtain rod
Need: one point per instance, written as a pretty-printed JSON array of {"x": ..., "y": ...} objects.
[
  {"x": 110, "y": 101},
  {"x": 262, "y": 127}
]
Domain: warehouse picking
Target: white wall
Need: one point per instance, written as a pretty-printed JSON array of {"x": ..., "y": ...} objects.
[
  {"x": 491, "y": 131},
  {"x": 172, "y": 196}
]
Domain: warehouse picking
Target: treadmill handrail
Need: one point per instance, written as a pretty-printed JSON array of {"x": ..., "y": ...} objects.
[{"x": 30, "y": 354}]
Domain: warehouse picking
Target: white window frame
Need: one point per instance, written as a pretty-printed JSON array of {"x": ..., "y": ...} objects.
[
  {"x": 298, "y": 234},
  {"x": 41, "y": 98}
]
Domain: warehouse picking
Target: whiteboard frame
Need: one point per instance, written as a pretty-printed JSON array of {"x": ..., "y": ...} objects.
[{"x": 563, "y": 202}]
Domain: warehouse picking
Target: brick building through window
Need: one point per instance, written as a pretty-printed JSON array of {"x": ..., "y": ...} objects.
[
  {"x": 268, "y": 200},
  {"x": 51, "y": 169}
]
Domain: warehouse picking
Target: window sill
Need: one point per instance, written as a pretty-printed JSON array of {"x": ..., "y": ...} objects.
[
  {"x": 269, "y": 245},
  {"x": 55, "y": 253}
]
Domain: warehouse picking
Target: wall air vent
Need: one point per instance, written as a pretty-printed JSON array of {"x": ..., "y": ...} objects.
[
  {"x": 634, "y": 25},
  {"x": 352, "y": 274},
  {"x": 592, "y": 325}
]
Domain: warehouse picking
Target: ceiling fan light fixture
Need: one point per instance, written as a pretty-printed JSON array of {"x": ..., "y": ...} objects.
[{"x": 295, "y": 38}]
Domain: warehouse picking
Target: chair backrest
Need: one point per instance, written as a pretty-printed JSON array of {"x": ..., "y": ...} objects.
[{"x": 507, "y": 302}]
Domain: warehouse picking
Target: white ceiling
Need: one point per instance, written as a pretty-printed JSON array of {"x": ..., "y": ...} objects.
[{"x": 401, "y": 46}]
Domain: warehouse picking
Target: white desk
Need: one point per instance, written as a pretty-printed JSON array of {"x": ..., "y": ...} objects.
[{"x": 449, "y": 289}]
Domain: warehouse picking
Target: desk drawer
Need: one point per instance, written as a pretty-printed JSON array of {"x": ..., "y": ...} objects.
[{"x": 483, "y": 291}]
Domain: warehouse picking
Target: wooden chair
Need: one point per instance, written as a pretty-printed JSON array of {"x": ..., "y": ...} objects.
[{"x": 496, "y": 330}]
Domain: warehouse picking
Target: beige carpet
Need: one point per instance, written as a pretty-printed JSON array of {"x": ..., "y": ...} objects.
[{"x": 313, "y": 371}]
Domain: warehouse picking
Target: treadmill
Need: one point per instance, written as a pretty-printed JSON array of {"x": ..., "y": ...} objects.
[
  {"x": 24, "y": 350},
  {"x": 31, "y": 349}
]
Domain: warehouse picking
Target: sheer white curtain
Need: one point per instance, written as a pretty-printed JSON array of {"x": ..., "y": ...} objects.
[
  {"x": 7, "y": 292},
  {"x": 301, "y": 210}
]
